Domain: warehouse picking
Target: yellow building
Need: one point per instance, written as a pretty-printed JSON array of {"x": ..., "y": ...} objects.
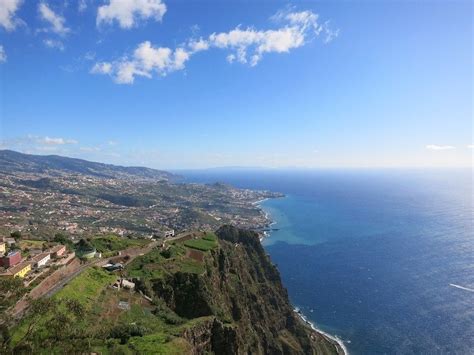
[
  {"x": 19, "y": 270},
  {"x": 3, "y": 248}
]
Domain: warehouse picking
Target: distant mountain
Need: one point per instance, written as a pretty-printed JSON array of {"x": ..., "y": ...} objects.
[{"x": 11, "y": 162}]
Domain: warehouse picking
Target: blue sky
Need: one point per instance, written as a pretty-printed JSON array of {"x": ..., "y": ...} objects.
[{"x": 191, "y": 84}]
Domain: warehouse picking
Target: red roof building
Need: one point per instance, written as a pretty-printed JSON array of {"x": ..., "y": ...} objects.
[
  {"x": 11, "y": 259},
  {"x": 58, "y": 250}
]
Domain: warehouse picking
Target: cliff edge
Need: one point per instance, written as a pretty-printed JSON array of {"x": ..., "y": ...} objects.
[
  {"x": 199, "y": 293},
  {"x": 238, "y": 303}
]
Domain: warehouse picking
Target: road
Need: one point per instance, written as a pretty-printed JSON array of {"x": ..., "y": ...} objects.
[
  {"x": 132, "y": 253},
  {"x": 37, "y": 292}
]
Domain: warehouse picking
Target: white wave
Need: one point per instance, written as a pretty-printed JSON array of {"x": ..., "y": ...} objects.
[
  {"x": 316, "y": 329},
  {"x": 462, "y": 287}
]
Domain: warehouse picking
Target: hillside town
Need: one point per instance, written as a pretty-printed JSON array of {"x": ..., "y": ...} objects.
[
  {"x": 40, "y": 204},
  {"x": 18, "y": 260}
]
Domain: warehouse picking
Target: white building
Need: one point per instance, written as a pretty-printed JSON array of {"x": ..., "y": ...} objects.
[
  {"x": 128, "y": 284},
  {"x": 169, "y": 233},
  {"x": 41, "y": 260}
]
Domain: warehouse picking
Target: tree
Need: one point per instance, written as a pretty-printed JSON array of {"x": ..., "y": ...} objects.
[
  {"x": 11, "y": 290},
  {"x": 16, "y": 235},
  {"x": 62, "y": 238},
  {"x": 53, "y": 323}
]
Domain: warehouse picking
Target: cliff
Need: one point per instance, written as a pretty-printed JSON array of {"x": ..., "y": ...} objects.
[
  {"x": 238, "y": 304},
  {"x": 202, "y": 293}
]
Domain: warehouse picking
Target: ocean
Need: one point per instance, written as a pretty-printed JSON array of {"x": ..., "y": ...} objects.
[{"x": 383, "y": 259}]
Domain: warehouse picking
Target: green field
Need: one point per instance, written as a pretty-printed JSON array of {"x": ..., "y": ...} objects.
[
  {"x": 205, "y": 243},
  {"x": 87, "y": 287},
  {"x": 157, "y": 263},
  {"x": 111, "y": 243}
]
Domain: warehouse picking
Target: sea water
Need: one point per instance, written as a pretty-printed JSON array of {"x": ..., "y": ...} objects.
[{"x": 382, "y": 259}]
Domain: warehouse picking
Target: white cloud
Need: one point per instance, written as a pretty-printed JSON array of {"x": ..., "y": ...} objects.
[
  {"x": 89, "y": 56},
  {"x": 439, "y": 147},
  {"x": 257, "y": 42},
  {"x": 145, "y": 61},
  {"x": 128, "y": 12},
  {"x": 56, "y": 21},
  {"x": 56, "y": 141},
  {"x": 198, "y": 45},
  {"x": 101, "y": 68},
  {"x": 82, "y": 5},
  {"x": 246, "y": 46},
  {"x": 471, "y": 146},
  {"x": 230, "y": 58},
  {"x": 40, "y": 144},
  {"x": 3, "y": 55},
  {"x": 7, "y": 13},
  {"x": 249, "y": 45},
  {"x": 51, "y": 43}
]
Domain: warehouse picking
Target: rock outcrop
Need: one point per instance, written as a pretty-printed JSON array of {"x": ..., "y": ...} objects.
[{"x": 238, "y": 305}]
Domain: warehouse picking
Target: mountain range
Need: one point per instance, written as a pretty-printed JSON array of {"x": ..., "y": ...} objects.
[{"x": 13, "y": 162}]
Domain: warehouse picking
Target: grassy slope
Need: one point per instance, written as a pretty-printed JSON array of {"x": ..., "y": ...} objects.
[
  {"x": 114, "y": 243},
  {"x": 205, "y": 243},
  {"x": 91, "y": 290},
  {"x": 156, "y": 264},
  {"x": 87, "y": 286}
]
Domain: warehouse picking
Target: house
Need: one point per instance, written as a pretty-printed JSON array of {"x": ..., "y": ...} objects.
[
  {"x": 11, "y": 259},
  {"x": 9, "y": 241},
  {"x": 40, "y": 260},
  {"x": 128, "y": 284},
  {"x": 169, "y": 233},
  {"x": 3, "y": 248},
  {"x": 58, "y": 250},
  {"x": 123, "y": 283},
  {"x": 19, "y": 270}
]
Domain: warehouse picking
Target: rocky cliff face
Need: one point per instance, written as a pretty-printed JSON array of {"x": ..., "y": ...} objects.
[{"x": 238, "y": 305}]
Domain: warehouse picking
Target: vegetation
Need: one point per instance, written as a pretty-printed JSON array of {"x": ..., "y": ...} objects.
[
  {"x": 159, "y": 263},
  {"x": 16, "y": 235},
  {"x": 205, "y": 243},
  {"x": 11, "y": 289},
  {"x": 87, "y": 286},
  {"x": 50, "y": 322},
  {"x": 212, "y": 304},
  {"x": 84, "y": 247},
  {"x": 62, "y": 238},
  {"x": 112, "y": 243}
]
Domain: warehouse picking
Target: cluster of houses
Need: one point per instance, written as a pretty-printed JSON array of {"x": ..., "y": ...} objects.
[{"x": 15, "y": 266}]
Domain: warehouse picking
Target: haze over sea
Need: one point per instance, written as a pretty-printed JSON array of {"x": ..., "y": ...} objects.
[{"x": 383, "y": 259}]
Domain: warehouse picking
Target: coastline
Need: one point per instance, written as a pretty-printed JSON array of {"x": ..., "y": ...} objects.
[
  {"x": 338, "y": 343},
  {"x": 269, "y": 221}
]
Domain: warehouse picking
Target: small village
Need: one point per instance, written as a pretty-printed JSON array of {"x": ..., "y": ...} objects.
[
  {"x": 37, "y": 262},
  {"x": 45, "y": 268}
]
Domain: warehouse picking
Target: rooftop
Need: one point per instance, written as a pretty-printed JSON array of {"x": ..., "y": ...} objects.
[
  {"x": 13, "y": 270},
  {"x": 57, "y": 248},
  {"x": 40, "y": 257}
]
